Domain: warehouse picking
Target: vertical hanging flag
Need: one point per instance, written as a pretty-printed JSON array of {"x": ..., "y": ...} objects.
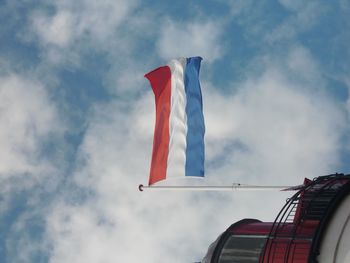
[{"x": 178, "y": 144}]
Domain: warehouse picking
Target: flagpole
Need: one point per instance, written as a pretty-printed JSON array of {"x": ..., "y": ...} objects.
[{"x": 233, "y": 187}]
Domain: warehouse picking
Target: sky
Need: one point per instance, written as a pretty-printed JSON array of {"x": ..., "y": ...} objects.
[{"x": 77, "y": 119}]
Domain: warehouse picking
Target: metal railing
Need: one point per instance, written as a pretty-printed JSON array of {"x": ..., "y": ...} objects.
[{"x": 292, "y": 233}]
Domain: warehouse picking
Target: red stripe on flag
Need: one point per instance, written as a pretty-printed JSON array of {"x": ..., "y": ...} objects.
[{"x": 160, "y": 80}]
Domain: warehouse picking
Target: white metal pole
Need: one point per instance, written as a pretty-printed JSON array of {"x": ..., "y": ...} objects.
[{"x": 233, "y": 187}]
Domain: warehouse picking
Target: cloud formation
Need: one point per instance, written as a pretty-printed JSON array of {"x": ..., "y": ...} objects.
[
  {"x": 274, "y": 124},
  {"x": 271, "y": 131},
  {"x": 73, "y": 27},
  {"x": 28, "y": 119},
  {"x": 190, "y": 39},
  {"x": 30, "y": 124},
  {"x": 303, "y": 17},
  {"x": 296, "y": 135}
]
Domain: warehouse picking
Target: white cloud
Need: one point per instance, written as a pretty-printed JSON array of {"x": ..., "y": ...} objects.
[
  {"x": 74, "y": 21},
  {"x": 286, "y": 133},
  {"x": 305, "y": 15},
  {"x": 279, "y": 122},
  {"x": 274, "y": 129},
  {"x": 192, "y": 39},
  {"x": 76, "y": 26},
  {"x": 76, "y": 30},
  {"x": 302, "y": 64},
  {"x": 283, "y": 132},
  {"x": 55, "y": 30},
  {"x": 27, "y": 118},
  {"x": 119, "y": 224},
  {"x": 239, "y": 6},
  {"x": 344, "y": 5},
  {"x": 292, "y": 5},
  {"x": 21, "y": 237},
  {"x": 29, "y": 122},
  {"x": 121, "y": 220},
  {"x": 129, "y": 81}
]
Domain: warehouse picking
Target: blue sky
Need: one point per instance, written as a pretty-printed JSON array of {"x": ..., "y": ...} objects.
[{"x": 77, "y": 120}]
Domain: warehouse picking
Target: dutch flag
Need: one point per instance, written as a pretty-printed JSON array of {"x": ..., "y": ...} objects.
[{"x": 178, "y": 144}]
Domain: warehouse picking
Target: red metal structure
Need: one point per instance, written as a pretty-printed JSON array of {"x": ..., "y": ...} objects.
[{"x": 298, "y": 231}]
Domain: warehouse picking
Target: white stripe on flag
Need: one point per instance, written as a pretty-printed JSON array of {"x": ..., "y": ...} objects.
[{"x": 177, "y": 120}]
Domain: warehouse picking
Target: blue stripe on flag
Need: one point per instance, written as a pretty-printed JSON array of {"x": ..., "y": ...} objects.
[{"x": 195, "y": 119}]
